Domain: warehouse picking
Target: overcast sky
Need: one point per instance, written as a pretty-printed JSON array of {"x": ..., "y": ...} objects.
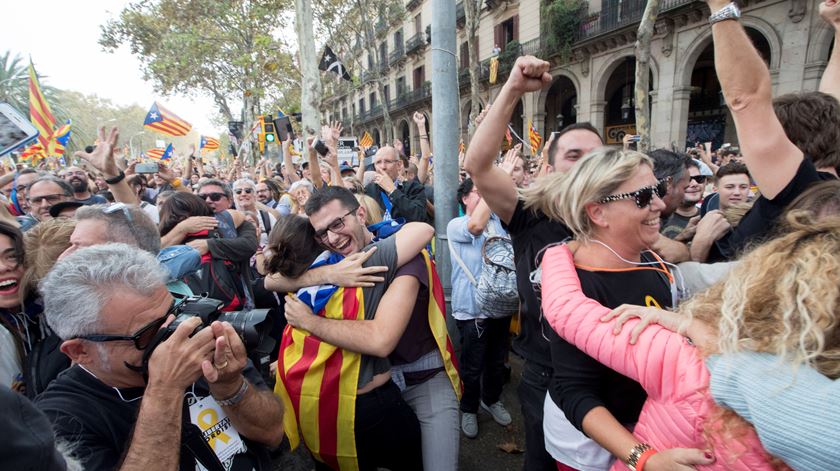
[{"x": 61, "y": 37}]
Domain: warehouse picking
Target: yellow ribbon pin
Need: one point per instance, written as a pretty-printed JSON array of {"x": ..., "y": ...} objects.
[{"x": 204, "y": 424}]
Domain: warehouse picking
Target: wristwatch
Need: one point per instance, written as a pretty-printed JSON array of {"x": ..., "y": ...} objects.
[
  {"x": 728, "y": 12},
  {"x": 635, "y": 454}
]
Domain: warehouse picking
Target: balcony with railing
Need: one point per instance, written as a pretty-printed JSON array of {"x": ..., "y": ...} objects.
[
  {"x": 619, "y": 15},
  {"x": 396, "y": 55},
  {"x": 412, "y": 4},
  {"x": 415, "y": 43}
]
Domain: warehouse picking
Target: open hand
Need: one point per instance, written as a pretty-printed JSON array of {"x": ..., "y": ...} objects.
[
  {"x": 509, "y": 162},
  {"x": 102, "y": 157},
  {"x": 228, "y": 362},
  {"x": 351, "y": 271},
  {"x": 648, "y": 315}
]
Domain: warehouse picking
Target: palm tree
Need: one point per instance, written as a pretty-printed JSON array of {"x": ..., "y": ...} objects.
[{"x": 14, "y": 87}]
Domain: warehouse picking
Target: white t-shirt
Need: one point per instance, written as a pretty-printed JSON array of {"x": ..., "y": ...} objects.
[
  {"x": 569, "y": 445},
  {"x": 151, "y": 210}
]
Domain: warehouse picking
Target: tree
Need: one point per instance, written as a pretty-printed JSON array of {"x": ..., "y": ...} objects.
[
  {"x": 222, "y": 49},
  {"x": 349, "y": 27},
  {"x": 311, "y": 86},
  {"x": 642, "y": 87},
  {"x": 14, "y": 82},
  {"x": 472, "y": 10}
]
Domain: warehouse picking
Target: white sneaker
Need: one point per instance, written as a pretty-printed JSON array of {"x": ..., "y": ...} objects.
[
  {"x": 469, "y": 424},
  {"x": 499, "y": 413}
]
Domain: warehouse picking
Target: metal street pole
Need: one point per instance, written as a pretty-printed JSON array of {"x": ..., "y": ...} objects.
[
  {"x": 131, "y": 145},
  {"x": 445, "y": 119}
]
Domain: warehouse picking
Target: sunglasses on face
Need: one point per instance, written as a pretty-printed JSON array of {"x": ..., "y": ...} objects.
[
  {"x": 701, "y": 179},
  {"x": 142, "y": 337},
  {"x": 334, "y": 227},
  {"x": 247, "y": 191},
  {"x": 642, "y": 196},
  {"x": 213, "y": 196}
]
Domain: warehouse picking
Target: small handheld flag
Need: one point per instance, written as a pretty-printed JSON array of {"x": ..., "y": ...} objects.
[
  {"x": 534, "y": 137},
  {"x": 59, "y": 140},
  {"x": 366, "y": 140},
  {"x": 209, "y": 143},
  {"x": 330, "y": 63},
  {"x": 494, "y": 69},
  {"x": 166, "y": 122},
  {"x": 160, "y": 154}
]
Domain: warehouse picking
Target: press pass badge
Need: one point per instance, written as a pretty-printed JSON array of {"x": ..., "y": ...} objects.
[{"x": 217, "y": 429}]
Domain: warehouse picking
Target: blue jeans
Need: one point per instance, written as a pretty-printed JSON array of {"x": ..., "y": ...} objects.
[
  {"x": 532, "y": 389},
  {"x": 484, "y": 347}
]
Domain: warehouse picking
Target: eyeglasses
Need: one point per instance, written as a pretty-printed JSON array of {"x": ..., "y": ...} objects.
[
  {"x": 51, "y": 199},
  {"x": 701, "y": 179},
  {"x": 239, "y": 191},
  {"x": 119, "y": 207},
  {"x": 142, "y": 337},
  {"x": 215, "y": 196},
  {"x": 334, "y": 226},
  {"x": 643, "y": 196}
]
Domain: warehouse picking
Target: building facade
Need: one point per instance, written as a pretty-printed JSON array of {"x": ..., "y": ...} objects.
[{"x": 594, "y": 72}]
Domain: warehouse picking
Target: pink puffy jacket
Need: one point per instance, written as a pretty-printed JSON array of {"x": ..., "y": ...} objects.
[{"x": 667, "y": 366}]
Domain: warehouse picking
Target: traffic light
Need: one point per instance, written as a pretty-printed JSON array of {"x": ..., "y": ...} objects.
[{"x": 268, "y": 129}]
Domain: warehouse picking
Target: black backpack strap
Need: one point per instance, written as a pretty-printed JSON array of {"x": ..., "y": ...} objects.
[
  {"x": 192, "y": 440},
  {"x": 266, "y": 221}
]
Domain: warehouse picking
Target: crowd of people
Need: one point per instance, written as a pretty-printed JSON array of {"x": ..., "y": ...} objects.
[{"x": 673, "y": 310}]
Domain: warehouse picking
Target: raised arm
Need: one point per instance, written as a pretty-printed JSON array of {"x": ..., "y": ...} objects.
[
  {"x": 529, "y": 74},
  {"x": 830, "y": 82},
  {"x": 425, "y": 147},
  {"x": 771, "y": 157},
  {"x": 289, "y": 176},
  {"x": 102, "y": 159}
]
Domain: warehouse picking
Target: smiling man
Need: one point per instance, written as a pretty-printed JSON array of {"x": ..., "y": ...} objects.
[{"x": 78, "y": 179}]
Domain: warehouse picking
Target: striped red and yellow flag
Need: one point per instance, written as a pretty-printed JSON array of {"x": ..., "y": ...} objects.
[
  {"x": 366, "y": 140},
  {"x": 508, "y": 137},
  {"x": 166, "y": 122},
  {"x": 535, "y": 138},
  {"x": 209, "y": 143},
  {"x": 34, "y": 152},
  {"x": 437, "y": 324},
  {"x": 462, "y": 148},
  {"x": 39, "y": 110},
  {"x": 317, "y": 383}
]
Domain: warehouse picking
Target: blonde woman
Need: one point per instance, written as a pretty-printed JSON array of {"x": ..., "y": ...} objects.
[
  {"x": 611, "y": 201},
  {"x": 373, "y": 214}
]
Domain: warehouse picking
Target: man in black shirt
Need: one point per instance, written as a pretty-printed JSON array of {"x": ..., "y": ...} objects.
[
  {"x": 202, "y": 399},
  {"x": 531, "y": 231},
  {"x": 397, "y": 199}
]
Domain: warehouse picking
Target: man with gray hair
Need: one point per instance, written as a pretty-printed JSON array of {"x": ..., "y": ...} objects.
[
  {"x": 42, "y": 194},
  {"x": 201, "y": 399},
  {"x": 397, "y": 199}
]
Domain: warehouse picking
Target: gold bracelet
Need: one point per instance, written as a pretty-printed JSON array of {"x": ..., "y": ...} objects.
[{"x": 635, "y": 454}]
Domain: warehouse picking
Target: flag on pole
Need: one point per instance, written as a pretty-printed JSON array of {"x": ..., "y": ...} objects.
[
  {"x": 331, "y": 63},
  {"x": 508, "y": 137},
  {"x": 209, "y": 143},
  {"x": 494, "y": 69},
  {"x": 166, "y": 122},
  {"x": 160, "y": 154},
  {"x": 534, "y": 137},
  {"x": 366, "y": 140},
  {"x": 39, "y": 110},
  {"x": 34, "y": 152}
]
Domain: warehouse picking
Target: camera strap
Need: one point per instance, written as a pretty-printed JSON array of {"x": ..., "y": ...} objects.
[{"x": 193, "y": 440}]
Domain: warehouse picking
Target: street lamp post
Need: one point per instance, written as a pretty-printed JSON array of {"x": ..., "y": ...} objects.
[{"x": 131, "y": 143}]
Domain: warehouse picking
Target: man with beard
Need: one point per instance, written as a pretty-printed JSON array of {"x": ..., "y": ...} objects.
[
  {"x": 682, "y": 224},
  {"x": 78, "y": 179}
]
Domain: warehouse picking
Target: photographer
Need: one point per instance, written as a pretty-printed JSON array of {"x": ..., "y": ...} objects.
[{"x": 202, "y": 400}]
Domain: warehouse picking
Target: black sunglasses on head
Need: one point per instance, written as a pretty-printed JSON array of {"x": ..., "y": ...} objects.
[
  {"x": 142, "y": 337},
  {"x": 642, "y": 196},
  {"x": 215, "y": 196}
]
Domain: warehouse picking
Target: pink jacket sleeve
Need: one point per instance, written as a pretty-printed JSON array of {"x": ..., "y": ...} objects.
[{"x": 657, "y": 361}]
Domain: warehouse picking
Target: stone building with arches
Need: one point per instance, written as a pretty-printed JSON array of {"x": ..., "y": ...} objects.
[{"x": 594, "y": 80}]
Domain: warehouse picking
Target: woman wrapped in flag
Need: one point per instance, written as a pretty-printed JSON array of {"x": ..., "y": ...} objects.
[{"x": 345, "y": 384}]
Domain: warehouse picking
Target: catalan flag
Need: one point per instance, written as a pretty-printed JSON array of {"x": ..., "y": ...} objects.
[
  {"x": 366, "y": 140},
  {"x": 39, "y": 110},
  {"x": 534, "y": 137},
  {"x": 34, "y": 152},
  {"x": 160, "y": 154},
  {"x": 59, "y": 139},
  {"x": 494, "y": 69},
  {"x": 462, "y": 147},
  {"x": 208, "y": 143},
  {"x": 508, "y": 137},
  {"x": 317, "y": 382},
  {"x": 166, "y": 122}
]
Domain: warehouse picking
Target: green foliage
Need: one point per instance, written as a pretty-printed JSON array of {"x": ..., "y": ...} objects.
[
  {"x": 224, "y": 49},
  {"x": 560, "y": 21}
]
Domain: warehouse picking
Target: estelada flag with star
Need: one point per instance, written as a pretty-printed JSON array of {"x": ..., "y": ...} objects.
[
  {"x": 166, "y": 122},
  {"x": 330, "y": 63},
  {"x": 534, "y": 137},
  {"x": 208, "y": 143},
  {"x": 160, "y": 154}
]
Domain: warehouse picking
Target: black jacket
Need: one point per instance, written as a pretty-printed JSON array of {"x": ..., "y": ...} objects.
[{"x": 408, "y": 200}]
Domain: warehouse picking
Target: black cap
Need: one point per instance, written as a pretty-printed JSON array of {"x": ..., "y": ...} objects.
[
  {"x": 57, "y": 208},
  {"x": 28, "y": 441}
]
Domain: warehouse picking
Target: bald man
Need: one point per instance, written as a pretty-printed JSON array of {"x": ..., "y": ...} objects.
[{"x": 396, "y": 198}]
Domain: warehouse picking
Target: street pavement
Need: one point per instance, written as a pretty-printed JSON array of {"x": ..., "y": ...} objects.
[{"x": 484, "y": 453}]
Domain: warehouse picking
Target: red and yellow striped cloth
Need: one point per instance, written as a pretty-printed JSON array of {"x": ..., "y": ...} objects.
[
  {"x": 317, "y": 382},
  {"x": 534, "y": 137},
  {"x": 39, "y": 110}
]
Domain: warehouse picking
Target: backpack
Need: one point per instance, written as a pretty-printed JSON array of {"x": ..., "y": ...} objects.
[
  {"x": 217, "y": 279},
  {"x": 496, "y": 293}
]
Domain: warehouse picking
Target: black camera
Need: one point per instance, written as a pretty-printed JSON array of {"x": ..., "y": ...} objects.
[{"x": 252, "y": 327}]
